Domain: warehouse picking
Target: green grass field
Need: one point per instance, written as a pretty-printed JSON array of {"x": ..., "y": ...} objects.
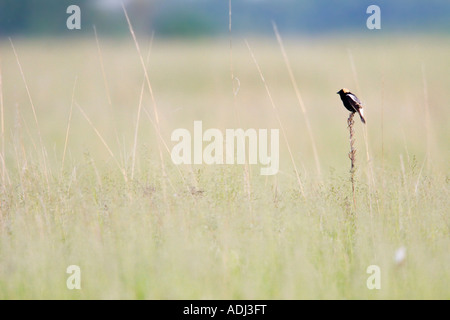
[{"x": 77, "y": 189}]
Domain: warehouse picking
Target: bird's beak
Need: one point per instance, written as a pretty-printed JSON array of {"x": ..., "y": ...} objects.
[{"x": 337, "y": 92}]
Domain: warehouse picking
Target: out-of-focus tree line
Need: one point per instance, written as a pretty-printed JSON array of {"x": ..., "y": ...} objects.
[{"x": 210, "y": 17}]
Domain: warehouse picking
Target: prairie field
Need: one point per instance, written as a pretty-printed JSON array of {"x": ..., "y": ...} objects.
[{"x": 87, "y": 177}]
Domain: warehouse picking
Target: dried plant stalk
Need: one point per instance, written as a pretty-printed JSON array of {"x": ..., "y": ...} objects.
[{"x": 352, "y": 154}]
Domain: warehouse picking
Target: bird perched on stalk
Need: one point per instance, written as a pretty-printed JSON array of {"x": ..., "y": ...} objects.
[{"x": 351, "y": 102}]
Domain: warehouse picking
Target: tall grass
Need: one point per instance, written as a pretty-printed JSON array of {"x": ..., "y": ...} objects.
[{"x": 155, "y": 237}]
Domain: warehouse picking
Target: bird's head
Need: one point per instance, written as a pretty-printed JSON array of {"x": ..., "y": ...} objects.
[{"x": 343, "y": 91}]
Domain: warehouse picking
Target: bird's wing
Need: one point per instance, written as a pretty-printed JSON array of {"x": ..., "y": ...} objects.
[{"x": 354, "y": 98}]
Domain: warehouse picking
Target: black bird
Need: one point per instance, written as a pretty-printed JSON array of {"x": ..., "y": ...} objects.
[{"x": 351, "y": 102}]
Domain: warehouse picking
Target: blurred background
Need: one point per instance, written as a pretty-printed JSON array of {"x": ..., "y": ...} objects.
[
  {"x": 400, "y": 72},
  {"x": 182, "y": 18}
]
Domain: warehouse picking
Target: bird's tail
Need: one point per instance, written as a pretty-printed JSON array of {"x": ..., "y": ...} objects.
[{"x": 361, "y": 115}]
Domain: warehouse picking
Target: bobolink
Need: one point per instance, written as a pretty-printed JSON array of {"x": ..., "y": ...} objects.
[{"x": 351, "y": 102}]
